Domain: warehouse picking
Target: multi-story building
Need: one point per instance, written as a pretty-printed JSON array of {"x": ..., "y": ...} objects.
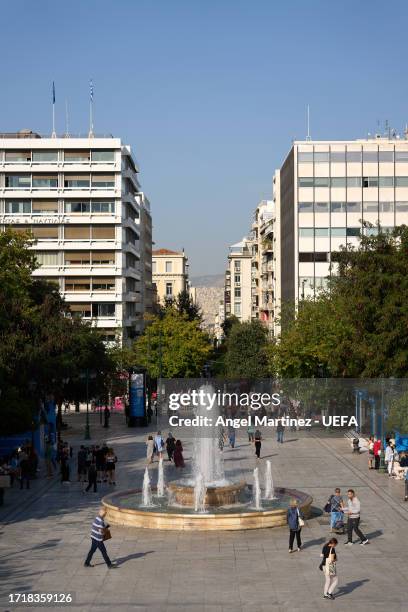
[
  {"x": 328, "y": 190},
  {"x": 81, "y": 200},
  {"x": 238, "y": 290},
  {"x": 170, "y": 273},
  {"x": 262, "y": 273}
]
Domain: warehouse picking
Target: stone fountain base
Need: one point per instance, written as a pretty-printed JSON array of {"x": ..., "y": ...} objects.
[
  {"x": 183, "y": 494},
  {"x": 121, "y": 511}
]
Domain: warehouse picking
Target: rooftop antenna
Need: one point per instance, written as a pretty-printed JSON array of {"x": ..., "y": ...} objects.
[
  {"x": 308, "y": 123},
  {"x": 66, "y": 119},
  {"x": 53, "y": 135},
  {"x": 91, "y": 93}
]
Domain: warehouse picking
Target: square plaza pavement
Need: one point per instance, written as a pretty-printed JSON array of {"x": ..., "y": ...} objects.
[{"x": 44, "y": 537}]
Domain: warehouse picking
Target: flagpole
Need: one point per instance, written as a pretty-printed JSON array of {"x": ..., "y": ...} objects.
[
  {"x": 91, "y": 109},
  {"x": 53, "y": 135}
]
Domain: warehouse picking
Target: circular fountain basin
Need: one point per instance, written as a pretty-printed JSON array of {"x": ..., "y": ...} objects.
[
  {"x": 223, "y": 495},
  {"x": 123, "y": 508}
]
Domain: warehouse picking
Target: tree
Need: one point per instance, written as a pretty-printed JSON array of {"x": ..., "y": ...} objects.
[
  {"x": 228, "y": 323},
  {"x": 43, "y": 350},
  {"x": 246, "y": 355},
  {"x": 358, "y": 328},
  {"x": 185, "y": 305},
  {"x": 172, "y": 346}
]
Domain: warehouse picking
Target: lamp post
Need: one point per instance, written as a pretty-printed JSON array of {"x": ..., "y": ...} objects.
[{"x": 87, "y": 375}]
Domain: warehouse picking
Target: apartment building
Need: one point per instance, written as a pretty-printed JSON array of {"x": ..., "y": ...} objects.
[
  {"x": 327, "y": 190},
  {"x": 263, "y": 266},
  {"x": 169, "y": 273},
  {"x": 238, "y": 284},
  {"x": 81, "y": 200}
]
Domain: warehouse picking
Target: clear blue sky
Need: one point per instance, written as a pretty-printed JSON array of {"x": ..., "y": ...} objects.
[{"x": 208, "y": 93}]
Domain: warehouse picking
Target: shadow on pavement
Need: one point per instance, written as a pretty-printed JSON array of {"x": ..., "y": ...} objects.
[
  {"x": 122, "y": 560},
  {"x": 349, "y": 587},
  {"x": 315, "y": 542}
]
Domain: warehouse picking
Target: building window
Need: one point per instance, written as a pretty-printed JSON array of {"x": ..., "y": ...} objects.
[
  {"x": 130, "y": 285},
  {"x": 305, "y": 157},
  {"x": 386, "y": 156},
  {"x": 370, "y": 181},
  {"x": 103, "y": 207},
  {"x": 338, "y": 207},
  {"x": 353, "y": 156},
  {"x": 18, "y": 157},
  {"x": 401, "y": 206},
  {"x": 103, "y": 156},
  {"x": 370, "y": 156},
  {"x": 77, "y": 258},
  {"x": 103, "y": 284},
  {"x": 154, "y": 265},
  {"x": 77, "y": 284},
  {"x": 353, "y": 231},
  {"x": 354, "y": 207},
  {"x": 338, "y": 181},
  {"x": 387, "y": 207},
  {"x": 131, "y": 261},
  {"x": 169, "y": 289},
  {"x": 77, "y": 206},
  {"x": 18, "y": 181},
  {"x": 45, "y": 207},
  {"x": 18, "y": 207},
  {"x": 103, "y": 258},
  {"x": 321, "y": 232},
  {"x": 81, "y": 157},
  {"x": 305, "y": 207},
  {"x": 106, "y": 309},
  {"x": 237, "y": 279},
  {"x": 401, "y": 156},
  {"x": 45, "y": 157},
  {"x": 386, "y": 181},
  {"x": 237, "y": 265},
  {"x": 103, "y": 232},
  {"x": 103, "y": 181},
  {"x": 305, "y": 182},
  {"x": 45, "y": 181},
  {"x": 45, "y": 232},
  {"x": 321, "y": 156},
  {"x": 354, "y": 181},
  {"x": 401, "y": 181},
  {"x": 338, "y": 156},
  {"x": 237, "y": 309},
  {"x": 47, "y": 258},
  {"x": 81, "y": 310},
  {"x": 310, "y": 257},
  {"x": 338, "y": 231},
  {"x": 237, "y": 292},
  {"x": 322, "y": 181},
  {"x": 130, "y": 309},
  {"x": 169, "y": 267},
  {"x": 370, "y": 207},
  {"x": 321, "y": 207},
  {"x": 306, "y": 232},
  {"x": 76, "y": 181},
  {"x": 77, "y": 232}
]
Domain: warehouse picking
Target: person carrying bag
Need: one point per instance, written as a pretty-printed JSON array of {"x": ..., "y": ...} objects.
[{"x": 329, "y": 568}]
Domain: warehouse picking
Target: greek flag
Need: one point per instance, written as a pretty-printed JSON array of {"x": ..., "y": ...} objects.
[
  {"x": 91, "y": 89},
  {"x": 53, "y": 92}
]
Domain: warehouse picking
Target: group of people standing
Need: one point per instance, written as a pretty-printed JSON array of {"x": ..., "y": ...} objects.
[
  {"x": 155, "y": 446},
  {"x": 96, "y": 464}
]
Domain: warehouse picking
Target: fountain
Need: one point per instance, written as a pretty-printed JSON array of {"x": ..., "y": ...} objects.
[
  {"x": 200, "y": 491},
  {"x": 269, "y": 488},
  {"x": 256, "y": 491},
  {"x": 160, "y": 479},
  {"x": 146, "y": 491},
  {"x": 207, "y": 499}
]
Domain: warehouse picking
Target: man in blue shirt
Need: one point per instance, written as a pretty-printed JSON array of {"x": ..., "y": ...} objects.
[{"x": 97, "y": 533}]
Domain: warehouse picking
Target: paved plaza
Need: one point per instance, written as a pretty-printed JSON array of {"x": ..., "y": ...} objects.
[{"x": 44, "y": 537}]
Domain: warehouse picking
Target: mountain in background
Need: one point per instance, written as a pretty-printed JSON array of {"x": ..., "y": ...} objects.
[{"x": 211, "y": 280}]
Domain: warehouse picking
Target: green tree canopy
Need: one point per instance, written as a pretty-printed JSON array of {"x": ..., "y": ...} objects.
[
  {"x": 173, "y": 346},
  {"x": 246, "y": 355}
]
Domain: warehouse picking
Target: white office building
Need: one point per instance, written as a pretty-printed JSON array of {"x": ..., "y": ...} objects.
[
  {"x": 81, "y": 200},
  {"x": 325, "y": 191}
]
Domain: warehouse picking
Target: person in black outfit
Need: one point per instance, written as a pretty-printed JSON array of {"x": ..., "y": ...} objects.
[
  {"x": 25, "y": 472},
  {"x": 106, "y": 414},
  {"x": 92, "y": 474},
  {"x": 258, "y": 443},
  {"x": 332, "y": 580},
  {"x": 170, "y": 446},
  {"x": 149, "y": 413}
]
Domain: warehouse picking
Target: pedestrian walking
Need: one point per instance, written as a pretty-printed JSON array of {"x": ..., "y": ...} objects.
[
  {"x": 178, "y": 455},
  {"x": 258, "y": 443},
  {"x": 389, "y": 458},
  {"x": 280, "y": 430},
  {"x": 370, "y": 452},
  {"x": 92, "y": 477},
  {"x": 231, "y": 437},
  {"x": 329, "y": 567},
  {"x": 295, "y": 520},
  {"x": 170, "y": 446},
  {"x": 377, "y": 451},
  {"x": 406, "y": 486},
  {"x": 353, "y": 512},
  {"x": 81, "y": 461},
  {"x": 111, "y": 461},
  {"x": 149, "y": 449},
  {"x": 335, "y": 503},
  {"x": 251, "y": 433},
  {"x": 159, "y": 445},
  {"x": 98, "y": 535},
  {"x": 106, "y": 414},
  {"x": 149, "y": 414}
]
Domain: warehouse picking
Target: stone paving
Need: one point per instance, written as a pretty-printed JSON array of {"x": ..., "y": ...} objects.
[{"x": 44, "y": 538}]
